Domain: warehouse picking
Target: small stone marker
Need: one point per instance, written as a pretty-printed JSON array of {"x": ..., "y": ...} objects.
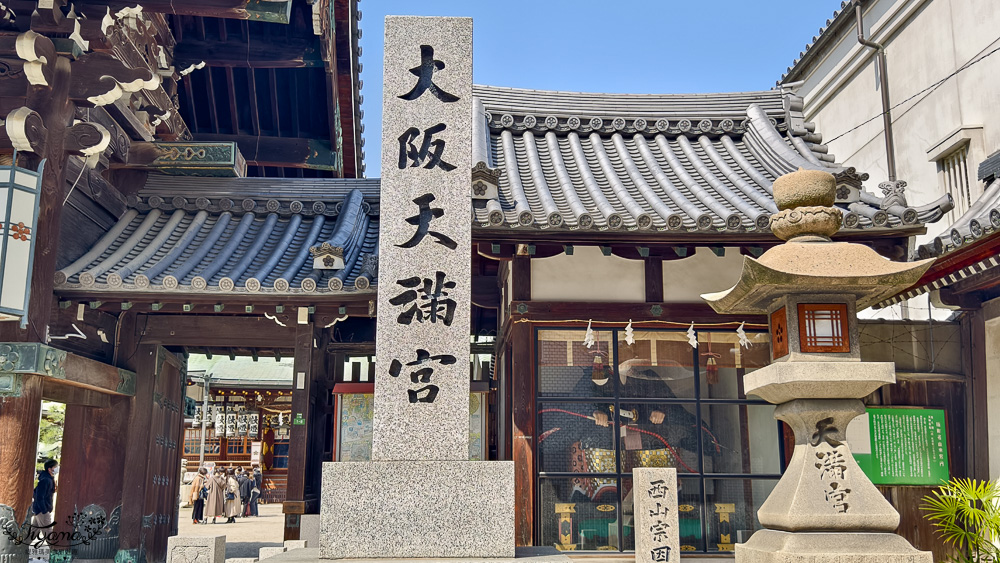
[
  {"x": 188, "y": 549},
  {"x": 654, "y": 498},
  {"x": 296, "y": 544}
]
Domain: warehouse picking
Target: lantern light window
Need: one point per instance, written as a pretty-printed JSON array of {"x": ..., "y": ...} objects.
[{"x": 823, "y": 327}]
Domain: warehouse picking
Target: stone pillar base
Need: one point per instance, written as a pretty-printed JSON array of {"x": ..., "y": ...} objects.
[
  {"x": 772, "y": 546},
  {"x": 414, "y": 509}
]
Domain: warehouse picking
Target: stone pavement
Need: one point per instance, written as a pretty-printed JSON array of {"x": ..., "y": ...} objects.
[{"x": 244, "y": 537}]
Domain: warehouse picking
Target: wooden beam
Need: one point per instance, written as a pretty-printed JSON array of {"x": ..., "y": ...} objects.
[
  {"x": 54, "y": 390},
  {"x": 217, "y": 158},
  {"x": 85, "y": 373},
  {"x": 283, "y": 152},
  {"x": 228, "y": 9},
  {"x": 257, "y": 53},
  {"x": 680, "y": 313},
  {"x": 192, "y": 330}
]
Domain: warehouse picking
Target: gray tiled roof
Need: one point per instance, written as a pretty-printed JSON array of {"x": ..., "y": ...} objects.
[
  {"x": 237, "y": 240},
  {"x": 659, "y": 162},
  {"x": 981, "y": 220}
]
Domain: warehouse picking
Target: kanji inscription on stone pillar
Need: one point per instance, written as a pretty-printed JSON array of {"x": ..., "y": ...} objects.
[{"x": 422, "y": 385}]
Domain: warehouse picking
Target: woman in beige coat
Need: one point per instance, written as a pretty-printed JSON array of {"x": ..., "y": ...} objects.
[
  {"x": 214, "y": 506},
  {"x": 198, "y": 514},
  {"x": 233, "y": 502}
]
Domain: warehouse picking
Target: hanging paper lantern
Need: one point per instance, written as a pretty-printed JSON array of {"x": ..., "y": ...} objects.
[
  {"x": 252, "y": 428},
  {"x": 242, "y": 424},
  {"x": 220, "y": 420},
  {"x": 230, "y": 424}
]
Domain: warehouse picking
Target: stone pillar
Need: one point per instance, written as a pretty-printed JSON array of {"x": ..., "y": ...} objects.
[{"x": 420, "y": 496}]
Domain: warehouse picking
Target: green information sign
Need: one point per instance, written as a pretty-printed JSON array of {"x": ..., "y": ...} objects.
[
  {"x": 901, "y": 446},
  {"x": 298, "y": 420}
]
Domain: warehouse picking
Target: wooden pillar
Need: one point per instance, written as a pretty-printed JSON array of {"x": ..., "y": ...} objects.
[
  {"x": 974, "y": 356},
  {"x": 137, "y": 441},
  {"x": 318, "y": 424},
  {"x": 520, "y": 271},
  {"x": 654, "y": 279},
  {"x": 18, "y": 436},
  {"x": 298, "y": 447},
  {"x": 522, "y": 376},
  {"x": 92, "y": 468}
]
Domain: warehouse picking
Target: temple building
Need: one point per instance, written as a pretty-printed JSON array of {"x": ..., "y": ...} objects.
[{"x": 249, "y": 231}]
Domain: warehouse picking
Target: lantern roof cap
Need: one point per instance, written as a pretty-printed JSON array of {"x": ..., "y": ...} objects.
[
  {"x": 809, "y": 263},
  {"x": 815, "y": 267}
]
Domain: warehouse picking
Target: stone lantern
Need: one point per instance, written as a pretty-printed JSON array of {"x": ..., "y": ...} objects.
[{"x": 824, "y": 507}]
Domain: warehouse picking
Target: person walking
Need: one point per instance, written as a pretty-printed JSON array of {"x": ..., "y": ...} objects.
[
  {"x": 41, "y": 503},
  {"x": 258, "y": 480},
  {"x": 215, "y": 504},
  {"x": 246, "y": 486},
  {"x": 199, "y": 492},
  {"x": 232, "y": 497}
]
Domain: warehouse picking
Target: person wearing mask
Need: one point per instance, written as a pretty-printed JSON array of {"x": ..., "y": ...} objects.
[
  {"x": 232, "y": 497},
  {"x": 199, "y": 492},
  {"x": 41, "y": 504},
  {"x": 215, "y": 504}
]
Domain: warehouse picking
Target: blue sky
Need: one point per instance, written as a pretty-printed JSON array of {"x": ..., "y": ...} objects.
[{"x": 651, "y": 46}]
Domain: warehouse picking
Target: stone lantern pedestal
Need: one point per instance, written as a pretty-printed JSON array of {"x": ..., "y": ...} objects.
[{"x": 824, "y": 508}]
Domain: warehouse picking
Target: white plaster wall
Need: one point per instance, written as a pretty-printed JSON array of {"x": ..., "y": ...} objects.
[
  {"x": 993, "y": 394},
  {"x": 925, "y": 40},
  {"x": 686, "y": 279},
  {"x": 587, "y": 275}
]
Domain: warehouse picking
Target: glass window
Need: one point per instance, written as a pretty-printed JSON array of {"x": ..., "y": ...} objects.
[
  {"x": 579, "y": 513},
  {"x": 732, "y": 514},
  {"x": 280, "y": 454},
  {"x": 657, "y": 365},
  {"x": 722, "y": 362},
  {"x": 657, "y": 402},
  {"x": 568, "y": 368}
]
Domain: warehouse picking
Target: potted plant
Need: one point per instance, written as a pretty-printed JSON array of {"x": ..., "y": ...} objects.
[{"x": 967, "y": 516}]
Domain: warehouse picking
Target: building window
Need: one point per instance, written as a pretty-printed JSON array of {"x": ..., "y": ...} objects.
[
  {"x": 237, "y": 446},
  {"x": 953, "y": 170},
  {"x": 192, "y": 442},
  {"x": 658, "y": 402},
  {"x": 823, "y": 327},
  {"x": 280, "y": 460}
]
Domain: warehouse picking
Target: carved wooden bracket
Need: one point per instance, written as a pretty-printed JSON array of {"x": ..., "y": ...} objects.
[
  {"x": 26, "y": 130},
  {"x": 39, "y": 55},
  {"x": 101, "y": 79},
  {"x": 87, "y": 139}
]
